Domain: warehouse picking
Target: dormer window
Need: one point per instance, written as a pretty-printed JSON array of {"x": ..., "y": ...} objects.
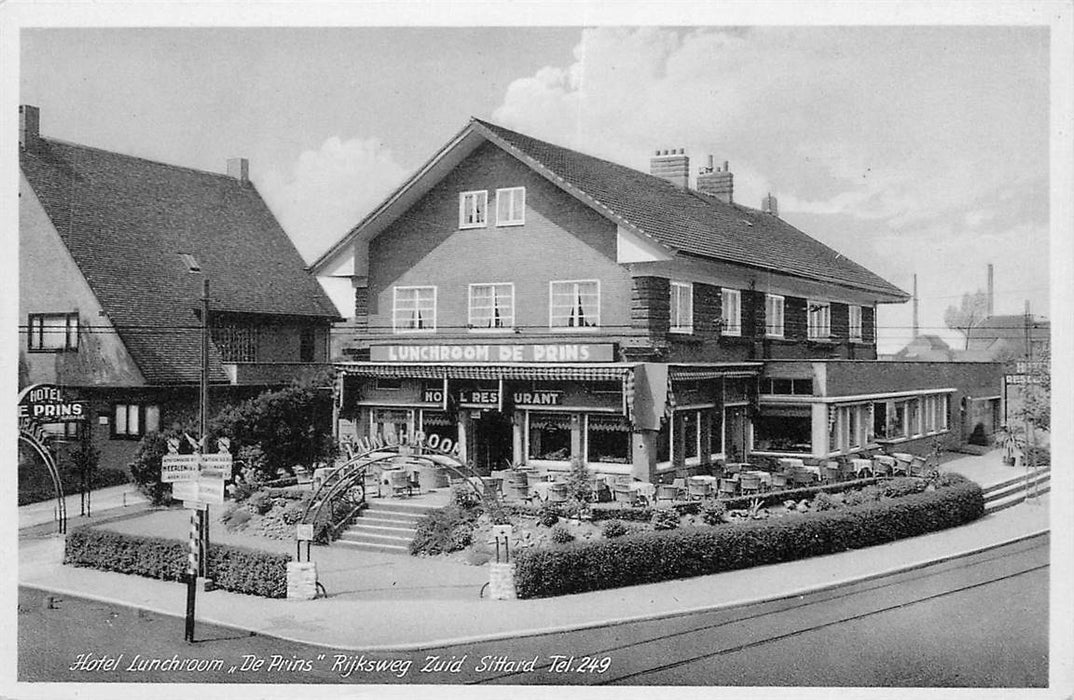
[
  {"x": 511, "y": 206},
  {"x": 191, "y": 262},
  {"x": 473, "y": 209}
]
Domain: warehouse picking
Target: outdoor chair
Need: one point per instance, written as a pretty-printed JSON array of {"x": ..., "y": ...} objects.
[
  {"x": 918, "y": 465},
  {"x": 728, "y": 487},
  {"x": 518, "y": 480},
  {"x": 749, "y": 483},
  {"x": 779, "y": 480},
  {"x": 732, "y": 468},
  {"x": 557, "y": 493},
  {"x": 400, "y": 483},
  {"x": 832, "y": 472},
  {"x": 623, "y": 496},
  {"x": 803, "y": 477},
  {"x": 699, "y": 489},
  {"x": 667, "y": 492}
]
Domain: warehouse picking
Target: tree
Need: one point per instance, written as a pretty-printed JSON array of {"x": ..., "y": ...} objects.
[
  {"x": 1037, "y": 396},
  {"x": 962, "y": 318}
]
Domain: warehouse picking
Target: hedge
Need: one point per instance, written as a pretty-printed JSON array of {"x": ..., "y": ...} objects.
[
  {"x": 659, "y": 556},
  {"x": 235, "y": 569}
]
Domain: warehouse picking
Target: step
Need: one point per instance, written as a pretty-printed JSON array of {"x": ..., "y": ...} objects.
[
  {"x": 1014, "y": 480},
  {"x": 377, "y": 520},
  {"x": 1014, "y": 499},
  {"x": 1020, "y": 485},
  {"x": 351, "y": 536},
  {"x": 374, "y": 547},
  {"x": 407, "y": 532}
]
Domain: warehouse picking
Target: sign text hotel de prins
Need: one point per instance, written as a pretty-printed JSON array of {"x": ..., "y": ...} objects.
[{"x": 558, "y": 352}]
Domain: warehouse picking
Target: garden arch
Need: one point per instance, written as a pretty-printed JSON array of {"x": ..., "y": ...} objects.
[{"x": 35, "y": 438}]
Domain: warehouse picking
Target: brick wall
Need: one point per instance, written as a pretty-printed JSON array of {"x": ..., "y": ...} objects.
[
  {"x": 753, "y": 314},
  {"x": 707, "y": 301},
  {"x": 795, "y": 318},
  {"x": 361, "y": 309},
  {"x": 840, "y": 322},
  {"x": 868, "y": 324},
  {"x": 650, "y": 306}
]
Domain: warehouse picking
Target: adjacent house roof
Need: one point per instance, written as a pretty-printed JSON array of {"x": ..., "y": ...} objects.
[
  {"x": 926, "y": 347},
  {"x": 127, "y": 223},
  {"x": 681, "y": 219},
  {"x": 998, "y": 333}
]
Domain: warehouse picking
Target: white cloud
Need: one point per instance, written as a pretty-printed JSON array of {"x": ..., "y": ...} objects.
[{"x": 330, "y": 189}]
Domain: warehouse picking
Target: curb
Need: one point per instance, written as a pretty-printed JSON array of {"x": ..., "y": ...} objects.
[{"x": 515, "y": 634}]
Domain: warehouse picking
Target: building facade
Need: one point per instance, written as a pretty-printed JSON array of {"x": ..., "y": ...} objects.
[
  {"x": 534, "y": 304},
  {"x": 113, "y": 253}
]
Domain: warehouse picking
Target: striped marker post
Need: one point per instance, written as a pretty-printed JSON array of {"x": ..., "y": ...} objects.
[{"x": 193, "y": 562}]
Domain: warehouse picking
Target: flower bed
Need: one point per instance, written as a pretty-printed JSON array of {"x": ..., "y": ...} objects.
[{"x": 661, "y": 555}]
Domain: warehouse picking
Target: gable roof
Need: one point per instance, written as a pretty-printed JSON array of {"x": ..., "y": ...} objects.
[
  {"x": 126, "y": 221},
  {"x": 680, "y": 219},
  {"x": 993, "y": 333}
]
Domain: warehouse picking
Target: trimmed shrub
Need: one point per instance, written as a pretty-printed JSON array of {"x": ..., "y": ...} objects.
[
  {"x": 447, "y": 529},
  {"x": 865, "y": 495},
  {"x": 561, "y": 535},
  {"x": 660, "y": 556},
  {"x": 949, "y": 479},
  {"x": 902, "y": 486},
  {"x": 613, "y": 528},
  {"x": 235, "y": 569},
  {"x": 548, "y": 515},
  {"x": 713, "y": 512},
  {"x": 665, "y": 519},
  {"x": 260, "y": 502}
]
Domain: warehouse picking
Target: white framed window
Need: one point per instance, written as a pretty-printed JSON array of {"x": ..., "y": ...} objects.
[
  {"x": 492, "y": 306},
  {"x": 52, "y": 332},
  {"x": 682, "y": 307},
  {"x": 473, "y": 209},
  {"x": 773, "y": 315},
  {"x": 414, "y": 309},
  {"x": 511, "y": 206},
  {"x": 942, "y": 408},
  {"x": 820, "y": 320},
  {"x": 731, "y": 312},
  {"x": 574, "y": 304},
  {"x": 131, "y": 421},
  {"x": 915, "y": 417},
  {"x": 855, "y": 323}
]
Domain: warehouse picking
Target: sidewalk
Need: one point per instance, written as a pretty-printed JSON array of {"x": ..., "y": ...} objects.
[
  {"x": 385, "y": 602},
  {"x": 100, "y": 500}
]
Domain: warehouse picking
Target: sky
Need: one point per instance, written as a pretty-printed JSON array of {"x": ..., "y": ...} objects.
[{"x": 913, "y": 150}]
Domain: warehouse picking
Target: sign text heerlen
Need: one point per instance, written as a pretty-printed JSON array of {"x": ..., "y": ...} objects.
[{"x": 558, "y": 352}]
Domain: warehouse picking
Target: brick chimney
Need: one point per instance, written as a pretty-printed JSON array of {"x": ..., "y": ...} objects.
[
  {"x": 716, "y": 182},
  {"x": 29, "y": 126},
  {"x": 239, "y": 168},
  {"x": 673, "y": 166},
  {"x": 769, "y": 205}
]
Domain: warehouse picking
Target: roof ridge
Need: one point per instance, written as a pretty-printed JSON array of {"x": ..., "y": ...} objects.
[{"x": 74, "y": 144}]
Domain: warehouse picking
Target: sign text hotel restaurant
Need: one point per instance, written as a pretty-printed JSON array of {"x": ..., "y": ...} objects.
[{"x": 559, "y": 352}]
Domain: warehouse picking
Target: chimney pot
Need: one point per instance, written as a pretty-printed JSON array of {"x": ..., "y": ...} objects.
[
  {"x": 239, "y": 168},
  {"x": 29, "y": 126},
  {"x": 769, "y": 205},
  {"x": 718, "y": 183},
  {"x": 672, "y": 165}
]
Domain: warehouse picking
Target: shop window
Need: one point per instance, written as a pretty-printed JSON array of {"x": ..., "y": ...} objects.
[
  {"x": 682, "y": 307},
  {"x": 731, "y": 312},
  {"x": 784, "y": 429},
  {"x": 391, "y": 423},
  {"x": 898, "y": 427},
  {"x": 690, "y": 433},
  {"x": 773, "y": 318},
  {"x": 473, "y": 209},
  {"x": 820, "y": 320},
  {"x": 549, "y": 437},
  {"x": 52, "y": 332},
  {"x": 236, "y": 341},
  {"x": 607, "y": 440},
  {"x": 511, "y": 206},
  {"x": 131, "y": 421},
  {"x": 69, "y": 431},
  {"x": 492, "y": 306},
  {"x": 834, "y": 419},
  {"x": 440, "y": 423},
  {"x": 852, "y": 421},
  {"x": 715, "y": 432},
  {"x": 914, "y": 418},
  {"x": 414, "y": 309},
  {"x": 855, "y": 323},
  {"x": 880, "y": 420},
  {"x": 574, "y": 304}
]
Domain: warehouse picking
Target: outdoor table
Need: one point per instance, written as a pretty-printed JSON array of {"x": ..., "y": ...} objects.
[
  {"x": 861, "y": 465},
  {"x": 765, "y": 477},
  {"x": 705, "y": 477}
]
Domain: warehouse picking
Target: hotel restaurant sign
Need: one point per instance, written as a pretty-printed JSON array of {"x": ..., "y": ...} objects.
[{"x": 558, "y": 352}]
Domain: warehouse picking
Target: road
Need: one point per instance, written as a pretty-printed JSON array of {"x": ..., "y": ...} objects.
[{"x": 978, "y": 621}]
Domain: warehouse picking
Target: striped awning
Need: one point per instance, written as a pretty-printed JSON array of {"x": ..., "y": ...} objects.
[
  {"x": 695, "y": 372},
  {"x": 555, "y": 373}
]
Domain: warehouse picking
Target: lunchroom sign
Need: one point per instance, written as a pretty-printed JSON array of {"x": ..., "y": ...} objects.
[{"x": 557, "y": 352}]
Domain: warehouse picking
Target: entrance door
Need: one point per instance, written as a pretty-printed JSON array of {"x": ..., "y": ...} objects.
[
  {"x": 492, "y": 442},
  {"x": 735, "y": 427}
]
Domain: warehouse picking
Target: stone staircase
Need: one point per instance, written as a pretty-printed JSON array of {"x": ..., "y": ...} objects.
[
  {"x": 387, "y": 525},
  {"x": 1013, "y": 491}
]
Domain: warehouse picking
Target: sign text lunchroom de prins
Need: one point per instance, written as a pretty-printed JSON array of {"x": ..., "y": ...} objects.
[{"x": 558, "y": 352}]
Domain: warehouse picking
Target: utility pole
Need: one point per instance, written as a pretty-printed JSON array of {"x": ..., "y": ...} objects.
[
  {"x": 1031, "y": 466},
  {"x": 203, "y": 442},
  {"x": 915, "y": 307}
]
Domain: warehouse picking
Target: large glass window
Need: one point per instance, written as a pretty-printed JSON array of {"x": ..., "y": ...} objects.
[
  {"x": 914, "y": 407},
  {"x": 731, "y": 312},
  {"x": 492, "y": 305},
  {"x": 52, "y": 332},
  {"x": 391, "y": 423},
  {"x": 784, "y": 429},
  {"x": 511, "y": 206},
  {"x": 439, "y": 423},
  {"x": 690, "y": 433},
  {"x": 473, "y": 208},
  {"x": 607, "y": 439},
  {"x": 414, "y": 309},
  {"x": 574, "y": 304},
  {"x": 682, "y": 307},
  {"x": 549, "y": 436},
  {"x": 132, "y": 421},
  {"x": 715, "y": 431},
  {"x": 855, "y": 323},
  {"x": 773, "y": 315}
]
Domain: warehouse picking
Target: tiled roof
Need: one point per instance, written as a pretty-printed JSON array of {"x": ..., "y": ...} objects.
[
  {"x": 125, "y": 221},
  {"x": 693, "y": 222}
]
